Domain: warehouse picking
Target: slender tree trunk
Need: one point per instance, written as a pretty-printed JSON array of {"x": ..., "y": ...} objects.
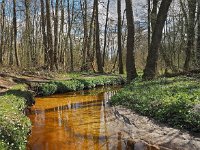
[
  {"x": 98, "y": 51},
  {"x": 70, "y": 19},
  {"x": 85, "y": 40},
  {"x": 130, "y": 56},
  {"x": 149, "y": 23},
  {"x": 62, "y": 47},
  {"x": 56, "y": 35},
  {"x": 15, "y": 32},
  {"x": 28, "y": 32},
  {"x": 190, "y": 33},
  {"x": 198, "y": 36},
  {"x": 44, "y": 36},
  {"x": 90, "y": 56},
  {"x": 49, "y": 35},
  {"x": 121, "y": 69},
  {"x": 105, "y": 33},
  {"x": 152, "y": 59},
  {"x": 2, "y": 31},
  {"x": 11, "y": 61}
]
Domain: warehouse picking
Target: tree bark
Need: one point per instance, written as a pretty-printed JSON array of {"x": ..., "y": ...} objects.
[
  {"x": 98, "y": 51},
  {"x": 149, "y": 23},
  {"x": 154, "y": 14},
  {"x": 90, "y": 55},
  {"x": 152, "y": 59},
  {"x": 121, "y": 69},
  {"x": 28, "y": 32},
  {"x": 70, "y": 19},
  {"x": 49, "y": 35},
  {"x": 190, "y": 33},
  {"x": 15, "y": 32},
  {"x": 105, "y": 32},
  {"x": 56, "y": 35},
  {"x": 85, "y": 39},
  {"x": 130, "y": 56},
  {"x": 2, "y": 31},
  {"x": 44, "y": 36},
  {"x": 198, "y": 36}
]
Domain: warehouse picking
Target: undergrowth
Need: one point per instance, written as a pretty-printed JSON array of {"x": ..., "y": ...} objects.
[
  {"x": 14, "y": 125},
  {"x": 168, "y": 100},
  {"x": 77, "y": 84}
]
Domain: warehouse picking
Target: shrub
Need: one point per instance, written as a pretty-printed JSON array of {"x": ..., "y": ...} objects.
[
  {"x": 77, "y": 84},
  {"x": 69, "y": 85},
  {"x": 47, "y": 89}
]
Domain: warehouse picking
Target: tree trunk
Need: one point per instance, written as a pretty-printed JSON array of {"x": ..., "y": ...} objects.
[
  {"x": 190, "y": 33},
  {"x": 198, "y": 36},
  {"x": 56, "y": 35},
  {"x": 152, "y": 59},
  {"x": 121, "y": 70},
  {"x": 154, "y": 14},
  {"x": 44, "y": 36},
  {"x": 90, "y": 55},
  {"x": 130, "y": 56},
  {"x": 28, "y": 32},
  {"x": 2, "y": 31},
  {"x": 49, "y": 35},
  {"x": 70, "y": 19},
  {"x": 149, "y": 23},
  {"x": 98, "y": 51},
  {"x": 85, "y": 39},
  {"x": 105, "y": 32},
  {"x": 15, "y": 32}
]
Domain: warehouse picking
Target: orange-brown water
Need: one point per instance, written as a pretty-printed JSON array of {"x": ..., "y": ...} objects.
[{"x": 74, "y": 121}]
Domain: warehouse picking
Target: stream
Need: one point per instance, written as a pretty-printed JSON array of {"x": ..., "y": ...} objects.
[
  {"x": 75, "y": 120},
  {"x": 84, "y": 121}
]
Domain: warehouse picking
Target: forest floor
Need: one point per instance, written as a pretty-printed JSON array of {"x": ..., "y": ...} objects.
[{"x": 10, "y": 77}]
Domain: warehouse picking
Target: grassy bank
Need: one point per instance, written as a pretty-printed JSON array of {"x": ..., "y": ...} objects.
[
  {"x": 172, "y": 101},
  {"x": 77, "y": 84},
  {"x": 14, "y": 125}
]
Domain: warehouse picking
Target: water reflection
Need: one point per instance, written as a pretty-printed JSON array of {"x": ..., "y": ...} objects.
[{"x": 74, "y": 121}]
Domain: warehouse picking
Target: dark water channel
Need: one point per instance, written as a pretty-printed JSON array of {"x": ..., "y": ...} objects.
[{"x": 74, "y": 121}]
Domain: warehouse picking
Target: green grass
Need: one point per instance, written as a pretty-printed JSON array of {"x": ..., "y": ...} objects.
[
  {"x": 22, "y": 87},
  {"x": 170, "y": 101},
  {"x": 77, "y": 84},
  {"x": 14, "y": 125}
]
